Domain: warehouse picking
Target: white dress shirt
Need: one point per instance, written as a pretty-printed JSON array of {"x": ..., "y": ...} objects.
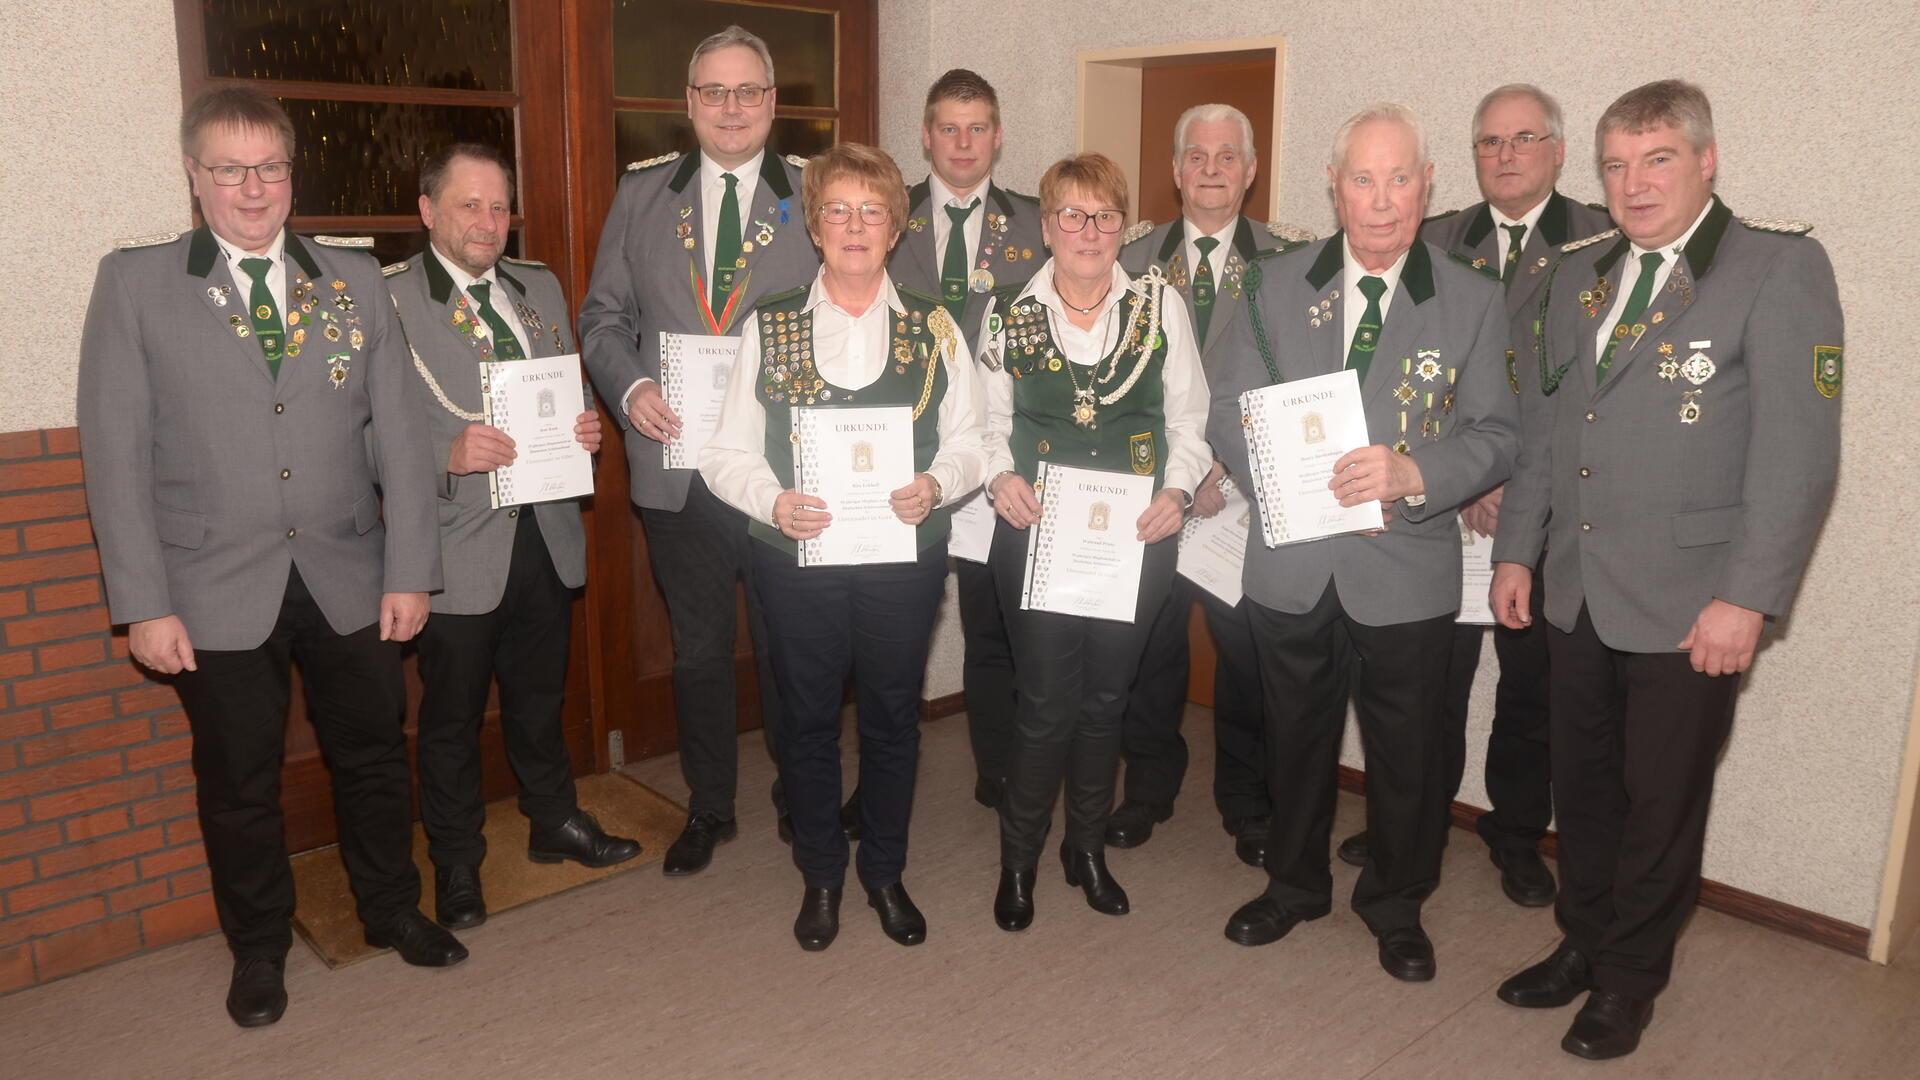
[
  {"x": 497, "y": 299},
  {"x": 850, "y": 352},
  {"x": 1629, "y": 269},
  {"x": 1184, "y": 385},
  {"x": 1354, "y": 302},
  {"x": 1217, "y": 261},
  {"x": 276, "y": 276},
  {"x": 1531, "y": 219},
  {"x": 939, "y": 196}
]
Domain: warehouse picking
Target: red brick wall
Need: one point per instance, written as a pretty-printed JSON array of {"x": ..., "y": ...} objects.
[{"x": 100, "y": 852}]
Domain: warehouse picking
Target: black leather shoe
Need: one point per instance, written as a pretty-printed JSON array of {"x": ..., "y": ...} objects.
[
  {"x": 258, "y": 994},
  {"x": 819, "y": 920},
  {"x": 898, "y": 917},
  {"x": 457, "y": 903},
  {"x": 1132, "y": 824},
  {"x": 988, "y": 791},
  {"x": 1353, "y": 850},
  {"x": 1608, "y": 1026},
  {"x": 581, "y": 840},
  {"x": 786, "y": 829},
  {"x": 1524, "y": 877},
  {"x": 418, "y": 941},
  {"x": 1088, "y": 871},
  {"x": 1250, "y": 837},
  {"x": 1552, "y": 982},
  {"x": 1261, "y": 921},
  {"x": 691, "y": 853},
  {"x": 1406, "y": 954},
  {"x": 850, "y": 817},
  {"x": 1013, "y": 904}
]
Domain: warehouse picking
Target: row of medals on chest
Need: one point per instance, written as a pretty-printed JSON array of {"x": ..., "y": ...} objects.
[
  {"x": 762, "y": 236},
  {"x": 1028, "y": 335},
  {"x": 1696, "y": 369},
  {"x": 787, "y": 361},
  {"x": 305, "y": 308},
  {"x": 981, "y": 279}
]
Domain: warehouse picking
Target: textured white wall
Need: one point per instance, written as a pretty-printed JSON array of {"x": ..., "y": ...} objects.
[
  {"x": 89, "y": 134},
  {"x": 1817, "y": 119}
]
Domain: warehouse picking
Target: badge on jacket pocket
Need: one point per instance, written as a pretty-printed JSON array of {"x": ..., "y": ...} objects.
[
  {"x": 1140, "y": 452},
  {"x": 1826, "y": 370}
]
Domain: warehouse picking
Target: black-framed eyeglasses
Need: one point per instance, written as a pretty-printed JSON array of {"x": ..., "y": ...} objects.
[
  {"x": 1071, "y": 219},
  {"x": 714, "y": 95},
  {"x": 839, "y": 213},
  {"x": 1523, "y": 142},
  {"x": 269, "y": 172}
]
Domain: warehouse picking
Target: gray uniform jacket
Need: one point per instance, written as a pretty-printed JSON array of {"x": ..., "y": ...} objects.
[
  {"x": 1012, "y": 253},
  {"x": 1441, "y": 312},
  {"x": 476, "y": 541},
  {"x": 1703, "y": 466},
  {"x": 642, "y": 287},
  {"x": 208, "y": 479},
  {"x": 1470, "y": 235},
  {"x": 1165, "y": 247}
]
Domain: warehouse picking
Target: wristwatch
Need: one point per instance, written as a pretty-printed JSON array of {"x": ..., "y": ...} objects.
[{"x": 938, "y": 495}]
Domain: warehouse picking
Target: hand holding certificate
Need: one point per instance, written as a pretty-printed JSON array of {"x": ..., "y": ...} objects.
[
  {"x": 1213, "y": 550},
  {"x": 1296, "y": 431},
  {"x": 1476, "y": 578},
  {"x": 535, "y": 403},
  {"x": 694, "y": 372},
  {"x": 1084, "y": 556},
  {"x": 853, "y": 460}
]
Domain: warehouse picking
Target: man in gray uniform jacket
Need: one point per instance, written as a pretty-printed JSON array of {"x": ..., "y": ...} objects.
[
  {"x": 506, "y": 611},
  {"x": 1513, "y": 236},
  {"x": 261, "y": 493},
  {"x": 1204, "y": 254},
  {"x": 967, "y": 236},
  {"x": 1682, "y": 439},
  {"x": 1371, "y": 614},
  {"x": 690, "y": 246}
]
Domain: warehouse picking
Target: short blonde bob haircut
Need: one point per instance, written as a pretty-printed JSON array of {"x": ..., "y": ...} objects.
[
  {"x": 863, "y": 164},
  {"x": 1093, "y": 175}
]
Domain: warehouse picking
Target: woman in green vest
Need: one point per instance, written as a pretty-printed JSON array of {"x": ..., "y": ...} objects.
[
  {"x": 847, "y": 340},
  {"x": 1089, "y": 368}
]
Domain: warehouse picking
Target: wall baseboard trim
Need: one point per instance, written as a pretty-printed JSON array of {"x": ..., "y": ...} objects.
[
  {"x": 944, "y": 705},
  {"x": 1739, "y": 903}
]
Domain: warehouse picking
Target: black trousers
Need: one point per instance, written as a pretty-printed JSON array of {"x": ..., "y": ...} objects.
[
  {"x": 877, "y": 623},
  {"x": 236, "y": 705},
  {"x": 1150, "y": 740},
  {"x": 523, "y": 643},
  {"x": 1636, "y": 740},
  {"x": 697, "y": 553},
  {"x": 1310, "y": 664},
  {"x": 986, "y": 672},
  {"x": 1072, "y": 681},
  {"x": 1518, "y": 774}
]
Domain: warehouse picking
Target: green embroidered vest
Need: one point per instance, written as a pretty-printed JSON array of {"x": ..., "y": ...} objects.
[{"x": 915, "y": 376}]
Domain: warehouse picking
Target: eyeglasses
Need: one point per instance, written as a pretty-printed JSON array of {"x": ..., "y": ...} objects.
[
  {"x": 714, "y": 95},
  {"x": 269, "y": 172},
  {"x": 1523, "y": 142},
  {"x": 839, "y": 213},
  {"x": 1073, "y": 220}
]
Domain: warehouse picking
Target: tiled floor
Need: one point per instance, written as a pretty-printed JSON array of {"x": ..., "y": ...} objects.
[{"x": 641, "y": 975}]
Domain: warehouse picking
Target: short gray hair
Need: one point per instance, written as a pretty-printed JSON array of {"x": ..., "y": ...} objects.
[
  {"x": 1667, "y": 103},
  {"x": 1556, "y": 123},
  {"x": 1213, "y": 114},
  {"x": 1384, "y": 110},
  {"x": 727, "y": 39}
]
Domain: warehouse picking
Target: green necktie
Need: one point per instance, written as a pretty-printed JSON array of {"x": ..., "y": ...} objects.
[
  {"x": 1516, "y": 235},
  {"x": 1366, "y": 337},
  {"x": 1203, "y": 288},
  {"x": 726, "y": 245},
  {"x": 505, "y": 345},
  {"x": 1637, "y": 302},
  {"x": 266, "y": 313},
  {"x": 953, "y": 267}
]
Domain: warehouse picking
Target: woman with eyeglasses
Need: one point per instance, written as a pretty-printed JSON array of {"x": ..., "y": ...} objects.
[
  {"x": 1089, "y": 368},
  {"x": 849, "y": 339}
]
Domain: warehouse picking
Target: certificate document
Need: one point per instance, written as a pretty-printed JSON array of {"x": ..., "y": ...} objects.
[
  {"x": 1295, "y": 432},
  {"x": 1476, "y": 578},
  {"x": 972, "y": 535},
  {"x": 694, "y": 372},
  {"x": 854, "y": 459},
  {"x": 1083, "y": 557},
  {"x": 535, "y": 403},
  {"x": 1213, "y": 550}
]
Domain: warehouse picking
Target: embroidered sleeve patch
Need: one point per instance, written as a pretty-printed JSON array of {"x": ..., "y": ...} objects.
[
  {"x": 1140, "y": 450},
  {"x": 1827, "y": 362}
]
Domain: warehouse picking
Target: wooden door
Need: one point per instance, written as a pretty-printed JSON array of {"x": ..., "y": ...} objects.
[{"x": 1170, "y": 87}]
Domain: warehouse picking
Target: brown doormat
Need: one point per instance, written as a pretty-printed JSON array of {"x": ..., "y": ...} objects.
[{"x": 324, "y": 914}]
